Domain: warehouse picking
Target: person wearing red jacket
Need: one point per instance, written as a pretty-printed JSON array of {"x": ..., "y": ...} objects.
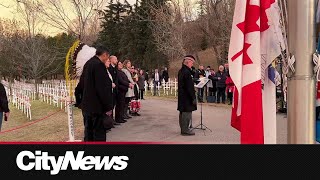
[{"x": 230, "y": 88}]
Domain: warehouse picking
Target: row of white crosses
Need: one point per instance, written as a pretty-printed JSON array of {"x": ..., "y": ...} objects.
[
  {"x": 20, "y": 96},
  {"x": 170, "y": 87},
  {"x": 21, "y": 101},
  {"x": 29, "y": 89},
  {"x": 55, "y": 93}
]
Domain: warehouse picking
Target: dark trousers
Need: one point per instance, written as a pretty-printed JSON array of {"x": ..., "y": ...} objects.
[
  {"x": 200, "y": 94},
  {"x": 155, "y": 89},
  {"x": 120, "y": 106},
  {"x": 221, "y": 94},
  {"x": 185, "y": 120},
  {"x": 126, "y": 106},
  {"x": 114, "y": 100},
  {"x": 230, "y": 97},
  {"x": 94, "y": 127},
  {"x": 1, "y": 119},
  {"x": 141, "y": 93},
  {"x": 212, "y": 92},
  {"x": 317, "y": 112}
]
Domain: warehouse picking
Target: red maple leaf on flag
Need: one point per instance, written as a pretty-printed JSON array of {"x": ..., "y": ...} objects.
[{"x": 253, "y": 14}]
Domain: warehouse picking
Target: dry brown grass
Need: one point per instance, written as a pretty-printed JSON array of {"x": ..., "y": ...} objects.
[{"x": 52, "y": 129}]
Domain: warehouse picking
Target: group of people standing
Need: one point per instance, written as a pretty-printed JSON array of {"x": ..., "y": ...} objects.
[
  {"x": 106, "y": 91},
  {"x": 222, "y": 84}
]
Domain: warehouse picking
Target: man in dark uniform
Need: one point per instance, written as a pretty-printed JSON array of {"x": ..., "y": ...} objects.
[
  {"x": 113, "y": 71},
  {"x": 95, "y": 88},
  {"x": 187, "y": 102}
]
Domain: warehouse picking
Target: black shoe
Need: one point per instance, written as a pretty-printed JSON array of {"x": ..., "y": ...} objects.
[
  {"x": 116, "y": 123},
  {"x": 189, "y": 133},
  {"x": 122, "y": 121},
  {"x": 135, "y": 114},
  {"x": 127, "y": 117}
]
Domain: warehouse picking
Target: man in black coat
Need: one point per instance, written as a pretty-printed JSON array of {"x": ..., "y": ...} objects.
[
  {"x": 123, "y": 86},
  {"x": 165, "y": 74},
  {"x": 187, "y": 102},
  {"x": 96, "y": 97},
  {"x": 4, "y": 107},
  {"x": 113, "y": 71}
]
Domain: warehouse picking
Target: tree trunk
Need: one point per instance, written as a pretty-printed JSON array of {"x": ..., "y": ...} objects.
[
  {"x": 198, "y": 58},
  {"x": 37, "y": 81}
]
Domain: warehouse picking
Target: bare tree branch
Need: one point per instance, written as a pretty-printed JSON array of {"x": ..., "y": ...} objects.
[{"x": 80, "y": 17}]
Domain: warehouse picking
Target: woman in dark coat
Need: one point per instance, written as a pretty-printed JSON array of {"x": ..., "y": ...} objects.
[
  {"x": 124, "y": 84},
  {"x": 186, "y": 95}
]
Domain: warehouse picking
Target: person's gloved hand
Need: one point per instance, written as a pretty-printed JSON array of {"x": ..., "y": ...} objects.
[
  {"x": 194, "y": 102},
  {"x": 6, "y": 116}
]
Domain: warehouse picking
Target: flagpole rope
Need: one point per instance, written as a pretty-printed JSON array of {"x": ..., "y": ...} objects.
[{"x": 289, "y": 60}]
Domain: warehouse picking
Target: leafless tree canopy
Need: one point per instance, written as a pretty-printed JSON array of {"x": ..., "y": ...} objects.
[
  {"x": 76, "y": 16},
  {"x": 168, "y": 29},
  {"x": 215, "y": 22},
  {"x": 79, "y": 17},
  {"x": 4, "y": 5},
  {"x": 27, "y": 56},
  {"x": 23, "y": 48},
  {"x": 178, "y": 29}
]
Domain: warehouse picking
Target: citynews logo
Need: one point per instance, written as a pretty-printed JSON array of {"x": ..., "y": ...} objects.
[{"x": 39, "y": 161}]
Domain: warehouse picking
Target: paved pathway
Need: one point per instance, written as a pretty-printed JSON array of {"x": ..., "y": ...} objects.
[{"x": 159, "y": 123}]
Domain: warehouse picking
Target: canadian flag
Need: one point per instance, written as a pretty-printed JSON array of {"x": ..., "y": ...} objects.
[{"x": 252, "y": 36}]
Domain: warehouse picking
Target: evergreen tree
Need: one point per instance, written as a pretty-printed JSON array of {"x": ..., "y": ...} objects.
[
  {"x": 112, "y": 25},
  {"x": 127, "y": 33},
  {"x": 148, "y": 56}
]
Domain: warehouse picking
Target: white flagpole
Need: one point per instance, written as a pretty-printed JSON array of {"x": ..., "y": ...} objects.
[
  {"x": 301, "y": 83},
  {"x": 70, "y": 114}
]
